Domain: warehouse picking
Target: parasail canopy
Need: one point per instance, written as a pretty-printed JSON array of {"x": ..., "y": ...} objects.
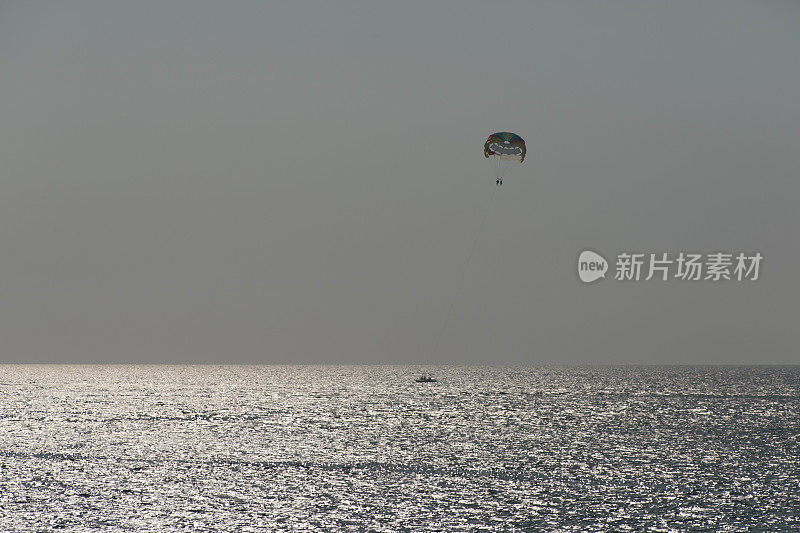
[{"x": 506, "y": 146}]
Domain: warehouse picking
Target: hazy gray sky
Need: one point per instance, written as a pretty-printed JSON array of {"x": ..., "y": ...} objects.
[{"x": 302, "y": 181}]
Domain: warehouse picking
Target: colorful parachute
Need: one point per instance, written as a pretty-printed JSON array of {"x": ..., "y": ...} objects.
[{"x": 506, "y": 146}]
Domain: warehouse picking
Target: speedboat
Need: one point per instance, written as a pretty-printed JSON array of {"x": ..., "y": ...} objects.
[{"x": 425, "y": 379}]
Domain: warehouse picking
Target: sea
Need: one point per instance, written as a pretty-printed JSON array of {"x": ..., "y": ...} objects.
[{"x": 367, "y": 448}]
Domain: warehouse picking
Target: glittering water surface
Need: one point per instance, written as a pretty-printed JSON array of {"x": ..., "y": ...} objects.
[{"x": 238, "y": 448}]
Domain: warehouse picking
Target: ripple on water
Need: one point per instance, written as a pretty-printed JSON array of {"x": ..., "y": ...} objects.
[{"x": 112, "y": 448}]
